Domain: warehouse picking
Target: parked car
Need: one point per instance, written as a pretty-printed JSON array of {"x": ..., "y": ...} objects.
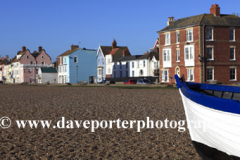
[
  {"x": 1, "y": 81},
  {"x": 130, "y": 81},
  {"x": 144, "y": 81},
  {"x": 102, "y": 82}
]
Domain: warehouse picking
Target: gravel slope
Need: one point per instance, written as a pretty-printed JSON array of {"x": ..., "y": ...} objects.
[{"x": 92, "y": 103}]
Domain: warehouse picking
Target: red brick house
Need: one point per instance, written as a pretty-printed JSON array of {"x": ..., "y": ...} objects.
[{"x": 204, "y": 48}]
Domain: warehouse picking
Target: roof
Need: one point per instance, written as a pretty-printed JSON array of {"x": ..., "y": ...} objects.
[
  {"x": 107, "y": 49},
  {"x": 68, "y": 52},
  {"x": 138, "y": 57},
  {"x": 49, "y": 70},
  {"x": 203, "y": 19}
]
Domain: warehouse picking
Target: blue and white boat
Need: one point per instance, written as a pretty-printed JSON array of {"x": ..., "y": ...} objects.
[{"x": 213, "y": 117}]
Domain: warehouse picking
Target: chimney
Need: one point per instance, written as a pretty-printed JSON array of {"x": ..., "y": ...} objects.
[
  {"x": 39, "y": 49},
  {"x": 6, "y": 57},
  {"x": 215, "y": 9},
  {"x": 72, "y": 47},
  {"x": 23, "y": 48},
  {"x": 125, "y": 52},
  {"x": 170, "y": 20},
  {"x": 114, "y": 44}
]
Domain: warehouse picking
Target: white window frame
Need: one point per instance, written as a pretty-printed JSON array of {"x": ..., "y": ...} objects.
[
  {"x": 189, "y": 35},
  {"x": 76, "y": 59},
  {"x": 233, "y": 29},
  {"x": 167, "y": 39},
  {"x": 132, "y": 64},
  {"x": 212, "y": 70},
  {"x": 235, "y": 74},
  {"x": 212, "y": 49},
  {"x": 144, "y": 63},
  {"x": 165, "y": 75},
  {"x": 177, "y": 37},
  {"x": 167, "y": 57},
  {"x": 209, "y": 29},
  {"x": 234, "y": 54},
  {"x": 190, "y": 72},
  {"x": 190, "y": 59},
  {"x": 178, "y": 55}
]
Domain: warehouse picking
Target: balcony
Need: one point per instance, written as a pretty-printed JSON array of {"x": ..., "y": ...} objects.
[{"x": 35, "y": 65}]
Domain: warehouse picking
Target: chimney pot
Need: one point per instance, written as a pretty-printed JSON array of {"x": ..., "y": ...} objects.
[
  {"x": 72, "y": 47},
  {"x": 114, "y": 44},
  {"x": 39, "y": 49}
]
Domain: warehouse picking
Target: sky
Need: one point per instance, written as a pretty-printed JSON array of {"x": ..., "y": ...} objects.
[{"x": 57, "y": 24}]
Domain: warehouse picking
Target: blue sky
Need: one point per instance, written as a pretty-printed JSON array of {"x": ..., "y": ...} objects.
[{"x": 55, "y": 25}]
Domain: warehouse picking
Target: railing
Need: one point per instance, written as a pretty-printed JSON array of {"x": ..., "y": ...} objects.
[{"x": 36, "y": 65}]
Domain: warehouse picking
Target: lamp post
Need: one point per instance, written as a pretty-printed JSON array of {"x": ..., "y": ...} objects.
[{"x": 77, "y": 73}]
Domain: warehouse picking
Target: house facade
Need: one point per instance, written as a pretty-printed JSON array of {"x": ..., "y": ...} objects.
[
  {"x": 3, "y": 63},
  {"x": 205, "y": 48},
  {"x": 25, "y": 65},
  {"x": 146, "y": 65},
  {"x": 77, "y": 64},
  {"x": 105, "y": 56}
]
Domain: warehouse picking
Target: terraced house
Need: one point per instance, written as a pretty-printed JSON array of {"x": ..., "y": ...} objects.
[
  {"x": 205, "y": 48},
  {"x": 24, "y": 66}
]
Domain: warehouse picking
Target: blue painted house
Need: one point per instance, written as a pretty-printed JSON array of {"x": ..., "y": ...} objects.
[
  {"x": 105, "y": 56},
  {"x": 77, "y": 64}
]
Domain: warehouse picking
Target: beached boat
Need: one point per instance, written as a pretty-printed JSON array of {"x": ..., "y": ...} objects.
[{"x": 213, "y": 118}]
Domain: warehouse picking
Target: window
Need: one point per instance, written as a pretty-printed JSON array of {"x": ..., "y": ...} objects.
[
  {"x": 126, "y": 65},
  {"x": 209, "y": 33},
  {"x": 165, "y": 76},
  {"x": 42, "y": 63},
  {"x": 126, "y": 73},
  {"x": 65, "y": 60},
  {"x": 141, "y": 72},
  {"x": 167, "y": 39},
  {"x": 98, "y": 62},
  {"x": 109, "y": 60},
  {"x": 132, "y": 64},
  {"x": 232, "y": 53},
  {"x": 189, "y": 35},
  {"x": 177, "y": 37},
  {"x": 120, "y": 65},
  {"x": 189, "y": 52},
  {"x": 143, "y": 63},
  {"x": 209, "y": 53},
  {"x": 42, "y": 57},
  {"x": 75, "y": 59},
  {"x": 31, "y": 62},
  {"x": 115, "y": 74},
  {"x": 114, "y": 66},
  {"x": 178, "y": 55},
  {"x": 29, "y": 70},
  {"x": 132, "y": 73},
  {"x": 210, "y": 74},
  {"x": 65, "y": 68},
  {"x": 155, "y": 64},
  {"x": 166, "y": 55},
  {"x": 190, "y": 75},
  {"x": 232, "y": 74},
  {"x": 27, "y": 57},
  {"x": 120, "y": 74},
  {"x": 103, "y": 61},
  {"x": 61, "y": 60},
  {"x": 232, "y": 34}
]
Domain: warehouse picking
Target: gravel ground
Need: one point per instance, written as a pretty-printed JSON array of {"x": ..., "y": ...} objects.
[{"x": 92, "y": 103}]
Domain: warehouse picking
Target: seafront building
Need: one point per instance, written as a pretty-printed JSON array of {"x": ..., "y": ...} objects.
[{"x": 205, "y": 48}]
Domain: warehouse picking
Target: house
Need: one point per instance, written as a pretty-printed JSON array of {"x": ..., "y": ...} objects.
[
  {"x": 137, "y": 66},
  {"x": 47, "y": 75},
  {"x": 105, "y": 56},
  {"x": 3, "y": 63},
  {"x": 77, "y": 64},
  {"x": 25, "y": 65},
  {"x": 205, "y": 48}
]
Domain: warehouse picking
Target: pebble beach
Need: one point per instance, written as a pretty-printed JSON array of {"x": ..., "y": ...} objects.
[{"x": 25, "y": 102}]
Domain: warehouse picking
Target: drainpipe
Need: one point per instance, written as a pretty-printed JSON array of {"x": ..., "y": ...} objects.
[{"x": 203, "y": 59}]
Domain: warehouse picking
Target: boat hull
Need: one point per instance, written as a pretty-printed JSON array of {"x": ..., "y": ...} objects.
[{"x": 214, "y": 133}]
